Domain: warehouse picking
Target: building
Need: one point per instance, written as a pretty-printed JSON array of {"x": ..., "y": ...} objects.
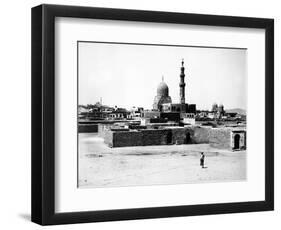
[
  {"x": 180, "y": 108},
  {"x": 119, "y": 113},
  {"x": 166, "y": 111},
  {"x": 163, "y": 102},
  {"x": 135, "y": 113},
  {"x": 223, "y": 138},
  {"x": 188, "y": 118}
]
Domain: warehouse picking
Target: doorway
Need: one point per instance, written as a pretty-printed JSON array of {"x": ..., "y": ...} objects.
[
  {"x": 169, "y": 138},
  {"x": 187, "y": 138},
  {"x": 237, "y": 141}
]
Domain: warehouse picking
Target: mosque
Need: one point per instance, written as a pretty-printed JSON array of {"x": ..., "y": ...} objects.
[{"x": 163, "y": 102}]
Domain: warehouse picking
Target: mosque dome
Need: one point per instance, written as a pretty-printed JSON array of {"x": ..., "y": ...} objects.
[
  {"x": 163, "y": 89},
  {"x": 214, "y": 107},
  {"x": 162, "y": 96}
]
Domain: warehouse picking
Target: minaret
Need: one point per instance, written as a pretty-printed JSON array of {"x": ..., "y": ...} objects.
[{"x": 182, "y": 84}]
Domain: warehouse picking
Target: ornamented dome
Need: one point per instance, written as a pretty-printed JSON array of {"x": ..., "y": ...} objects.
[
  {"x": 162, "y": 96},
  {"x": 163, "y": 89}
]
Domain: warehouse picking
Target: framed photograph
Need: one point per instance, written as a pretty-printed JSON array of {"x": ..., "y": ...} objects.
[{"x": 143, "y": 114}]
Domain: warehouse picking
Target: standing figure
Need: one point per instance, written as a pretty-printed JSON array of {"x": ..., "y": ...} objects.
[{"x": 202, "y": 159}]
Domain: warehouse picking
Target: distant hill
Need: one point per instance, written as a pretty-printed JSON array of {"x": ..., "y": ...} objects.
[{"x": 236, "y": 110}]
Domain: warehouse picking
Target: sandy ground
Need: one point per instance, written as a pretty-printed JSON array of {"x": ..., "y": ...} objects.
[{"x": 101, "y": 166}]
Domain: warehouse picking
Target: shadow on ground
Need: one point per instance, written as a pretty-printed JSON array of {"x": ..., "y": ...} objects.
[{"x": 25, "y": 216}]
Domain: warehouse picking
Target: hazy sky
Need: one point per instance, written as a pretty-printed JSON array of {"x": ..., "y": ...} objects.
[{"x": 128, "y": 75}]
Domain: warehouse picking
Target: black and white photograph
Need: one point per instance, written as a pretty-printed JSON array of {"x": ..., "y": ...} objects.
[
  {"x": 140, "y": 114},
  {"x": 160, "y": 114}
]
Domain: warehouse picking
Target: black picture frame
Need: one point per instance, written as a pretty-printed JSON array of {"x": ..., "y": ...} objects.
[{"x": 43, "y": 114}]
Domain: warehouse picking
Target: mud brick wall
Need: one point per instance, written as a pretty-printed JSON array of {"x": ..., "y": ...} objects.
[
  {"x": 88, "y": 128},
  {"x": 103, "y": 129},
  {"x": 135, "y": 138},
  {"x": 108, "y": 138},
  {"x": 201, "y": 135},
  {"x": 217, "y": 137},
  {"x": 126, "y": 138},
  {"x": 220, "y": 138},
  {"x": 180, "y": 136},
  {"x": 148, "y": 137},
  {"x": 154, "y": 137}
]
